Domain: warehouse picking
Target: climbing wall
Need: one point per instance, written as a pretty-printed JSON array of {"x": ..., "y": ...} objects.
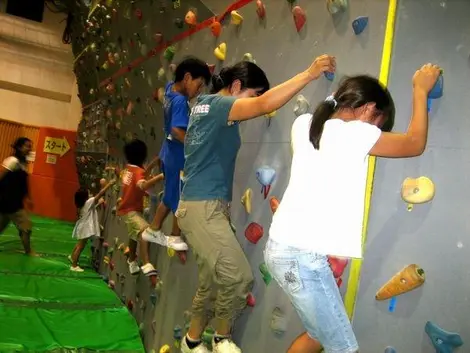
[
  {"x": 434, "y": 235},
  {"x": 122, "y": 89}
]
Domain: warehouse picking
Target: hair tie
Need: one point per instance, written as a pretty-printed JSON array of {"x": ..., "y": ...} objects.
[{"x": 331, "y": 99}]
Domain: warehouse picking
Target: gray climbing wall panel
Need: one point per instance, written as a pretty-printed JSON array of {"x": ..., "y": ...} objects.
[
  {"x": 435, "y": 235},
  {"x": 282, "y": 52}
]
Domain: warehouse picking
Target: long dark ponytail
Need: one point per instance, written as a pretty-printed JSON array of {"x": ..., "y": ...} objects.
[{"x": 353, "y": 92}]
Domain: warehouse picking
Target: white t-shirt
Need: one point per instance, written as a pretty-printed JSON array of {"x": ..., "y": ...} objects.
[
  {"x": 12, "y": 164},
  {"x": 323, "y": 206},
  {"x": 88, "y": 224}
]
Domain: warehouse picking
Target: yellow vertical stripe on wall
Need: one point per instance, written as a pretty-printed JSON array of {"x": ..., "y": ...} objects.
[
  {"x": 10, "y": 131},
  {"x": 356, "y": 264}
]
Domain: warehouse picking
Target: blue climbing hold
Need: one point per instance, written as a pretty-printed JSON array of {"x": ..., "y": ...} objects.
[
  {"x": 177, "y": 333},
  {"x": 105, "y": 278},
  {"x": 437, "y": 90},
  {"x": 265, "y": 175},
  {"x": 330, "y": 76},
  {"x": 443, "y": 341},
  {"x": 390, "y": 350},
  {"x": 360, "y": 24}
]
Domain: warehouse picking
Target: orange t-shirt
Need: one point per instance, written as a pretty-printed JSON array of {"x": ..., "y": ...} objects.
[{"x": 132, "y": 195}]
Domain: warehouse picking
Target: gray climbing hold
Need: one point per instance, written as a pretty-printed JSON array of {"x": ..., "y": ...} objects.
[
  {"x": 390, "y": 350},
  {"x": 301, "y": 105},
  {"x": 248, "y": 57},
  {"x": 278, "y": 321}
]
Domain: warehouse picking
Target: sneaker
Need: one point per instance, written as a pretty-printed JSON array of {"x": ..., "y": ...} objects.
[
  {"x": 154, "y": 236},
  {"x": 76, "y": 269},
  {"x": 133, "y": 267},
  {"x": 201, "y": 348},
  {"x": 148, "y": 269},
  {"x": 225, "y": 346},
  {"x": 176, "y": 243}
]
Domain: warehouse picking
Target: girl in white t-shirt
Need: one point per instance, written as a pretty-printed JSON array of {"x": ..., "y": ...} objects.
[
  {"x": 87, "y": 225},
  {"x": 328, "y": 179}
]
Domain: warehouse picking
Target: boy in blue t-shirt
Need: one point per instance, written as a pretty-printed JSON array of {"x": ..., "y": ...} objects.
[{"x": 190, "y": 77}]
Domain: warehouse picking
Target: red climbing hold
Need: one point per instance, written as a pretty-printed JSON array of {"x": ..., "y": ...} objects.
[
  {"x": 216, "y": 28},
  {"x": 130, "y": 305},
  {"x": 299, "y": 17},
  {"x": 250, "y": 300},
  {"x": 254, "y": 232},
  {"x": 260, "y": 9},
  {"x": 338, "y": 265},
  {"x": 154, "y": 280},
  {"x": 182, "y": 256},
  {"x": 138, "y": 14},
  {"x": 211, "y": 68},
  {"x": 158, "y": 37},
  {"x": 111, "y": 266}
]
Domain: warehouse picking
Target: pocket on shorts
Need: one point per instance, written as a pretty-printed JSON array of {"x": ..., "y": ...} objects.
[{"x": 286, "y": 272}]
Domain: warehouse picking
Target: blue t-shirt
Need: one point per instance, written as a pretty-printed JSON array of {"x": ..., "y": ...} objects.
[
  {"x": 211, "y": 146},
  {"x": 176, "y": 114}
]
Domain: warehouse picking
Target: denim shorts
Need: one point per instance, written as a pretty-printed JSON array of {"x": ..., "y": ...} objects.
[{"x": 307, "y": 279}]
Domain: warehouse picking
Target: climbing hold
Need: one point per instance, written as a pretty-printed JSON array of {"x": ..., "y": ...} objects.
[
  {"x": 165, "y": 349},
  {"x": 179, "y": 22},
  {"x": 390, "y": 350},
  {"x": 130, "y": 305},
  {"x": 267, "y": 278},
  {"x": 254, "y": 232},
  {"x": 300, "y": 18},
  {"x": 153, "y": 298},
  {"x": 250, "y": 300},
  {"x": 337, "y": 265},
  {"x": 417, "y": 191},
  {"x": 216, "y": 28},
  {"x": 211, "y": 68},
  {"x": 274, "y": 204},
  {"x": 278, "y": 321},
  {"x": 105, "y": 278},
  {"x": 161, "y": 73},
  {"x": 248, "y": 57},
  {"x": 330, "y": 76},
  {"x": 246, "y": 200},
  {"x": 171, "y": 252},
  {"x": 169, "y": 53},
  {"x": 158, "y": 37},
  {"x": 208, "y": 335},
  {"x": 177, "y": 333},
  {"x": 126, "y": 251},
  {"x": 190, "y": 18},
  {"x": 111, "y": 284},
  {"x": 111, "y": 266},
  {"x": 221, "y": 51},
  {"x": 265, "y": 176},
  {"x": 301, "y": 105},
  {"x": 122, "y": 247},
  {"x": 335, "y": 6},
  {"x": 260, "y": 9},
  {"x": 271, "y": 115},
  {"x": 182, "y": 256},
  {"x": 235, "y": 18},
  {"x": 138, "y": 14},
  {"x": 409, "y": 278},
  {"x": 161, "y": 94},
  {"x": 360, "y": 24},
  {"x": 172, "y": 68},
  {"x": 443, "y": 341},
  {"x": 436, "y": 91},
  {"x": 106, "y": 259}
]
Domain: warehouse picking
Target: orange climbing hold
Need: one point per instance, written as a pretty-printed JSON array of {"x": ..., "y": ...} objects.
[
  {"x": 190, "y": 18},
  {"x": 300, "y": 18},
  {"x": 260, "y": 9},
  {"x": 409, "y": 278},
  {"x": 273, "y": 203},
  {"x": 216, "y": 28}
]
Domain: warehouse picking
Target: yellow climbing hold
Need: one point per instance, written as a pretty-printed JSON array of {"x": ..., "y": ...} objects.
[
  {"x": 417, "y": 190},
  {"x": 161, "y": 73},
  {"x": 161, "y": 94},
  {"x": 270, "y": 115},
  {"x": 221, "y": 51},
  {"x": 171, "y": 252},
  {"x": 165, "y": 349},
  {"x": 246, "y": 200},
  {"x": 236, "y": 18}
]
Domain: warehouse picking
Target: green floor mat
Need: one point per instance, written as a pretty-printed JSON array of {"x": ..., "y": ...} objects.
[
  {"x": 45, "y": 307},
  {"x": 39, "y": 330}
]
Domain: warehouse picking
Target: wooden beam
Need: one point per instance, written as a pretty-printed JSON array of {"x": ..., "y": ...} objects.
[{"x": 34, "y": 91}]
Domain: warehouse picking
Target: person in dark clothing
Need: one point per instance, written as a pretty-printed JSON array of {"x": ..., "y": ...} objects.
[{"x": 14, "y": 191}]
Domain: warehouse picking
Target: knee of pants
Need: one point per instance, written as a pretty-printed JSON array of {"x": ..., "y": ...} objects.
[{"x": 230, "y": 275}]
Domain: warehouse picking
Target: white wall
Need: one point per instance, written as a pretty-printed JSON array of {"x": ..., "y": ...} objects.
[{"x": 33, "y": 58}]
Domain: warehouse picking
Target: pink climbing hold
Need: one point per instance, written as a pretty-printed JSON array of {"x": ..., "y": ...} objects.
[
  {"x": 300, "y": 18},
  {"x": 254, "y": 232}
]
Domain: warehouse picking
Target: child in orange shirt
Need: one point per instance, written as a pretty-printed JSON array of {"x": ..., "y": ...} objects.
[{"x": 131, "y": 208}]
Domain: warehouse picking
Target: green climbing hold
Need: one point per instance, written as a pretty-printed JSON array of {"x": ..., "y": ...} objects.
[
  {"x": 169, "y": 53},
  {"x": 267, "y": 278},
  {"x": 208, "y": 335}
]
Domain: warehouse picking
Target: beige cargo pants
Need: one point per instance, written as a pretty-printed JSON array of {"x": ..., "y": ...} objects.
[{"x": 220, "y": 259}]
